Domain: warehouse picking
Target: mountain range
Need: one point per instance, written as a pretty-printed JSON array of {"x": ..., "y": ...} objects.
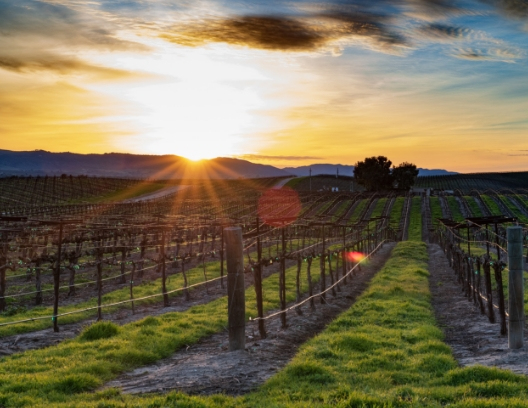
[{"x": 41, "y": 163}]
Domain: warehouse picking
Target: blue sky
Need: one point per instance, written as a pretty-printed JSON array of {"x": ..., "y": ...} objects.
[{"x": 439, "y": 83}]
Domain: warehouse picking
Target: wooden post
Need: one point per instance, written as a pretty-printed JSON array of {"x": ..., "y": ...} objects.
[
  {"x": 310, "y": 284},
  {"x": 331, "y": 273},
  {"x": 322, "y": 267},
  {"x": 56, "y": 281},
  {"x": 3, "y": 267},
  {"x": 487, "y": 243},
  {"x": 99, "y": 280},
  {"x": 38, "y": 283},
  {"x": 468, "y": 245},
  {"x": 497, "y": 268},
  {"x": 132, "y": 286},
  {"x": 123, "y": 262},
  {"x": 222, "y": 259},
  {"x": 258, "y": 285},
  {"x": 497, "y": 241},
  {"x": 236, "y": 303},
  {"x": 515, "y": 288},
  {"x": 298, "y": 284},
  {"x": 163, "y": 272},
  {"x": 185, "y": 284},
  {"x": 343, "y": 256},
  {"x": 487, "y": 275},
  {"x": 282, "y": 281}
]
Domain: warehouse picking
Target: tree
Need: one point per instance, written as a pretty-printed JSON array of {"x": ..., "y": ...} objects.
[
  {"x": 374, "y": 173},
  {"x": 405, "y": 175}
]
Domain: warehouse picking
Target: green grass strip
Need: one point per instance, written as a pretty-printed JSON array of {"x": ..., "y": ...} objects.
[
  {"x": 415, "y": 222},
  {"x": 385, "y": 351},
  {"x": 455, "y": 209},
  {"x": 340, "y": 210},
  {"x": 436, "y": 210},
  {"x": 396, "y": 212},
  {"x": 492, "y": 205},
  {"x": 358, "y": 210},
  {"x": 51, "y": 375},
  {"x": 294, "y": 182},
  {"x": 473, "y": 206},
  {"x": 513, "y": 208}
]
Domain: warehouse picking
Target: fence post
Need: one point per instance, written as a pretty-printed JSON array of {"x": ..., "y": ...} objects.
[
  {"x": 56, "y": 281},
  {"x": 515, "y": 288},
  {"x": 236, "y": 303}
]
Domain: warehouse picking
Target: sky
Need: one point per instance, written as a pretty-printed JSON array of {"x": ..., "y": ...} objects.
[{"x": 438, "y": 83}]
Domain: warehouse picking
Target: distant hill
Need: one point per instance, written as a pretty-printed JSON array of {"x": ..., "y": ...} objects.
[
  {"x": 40, "y": 163},
  {"x": 346, "y": 170},
  {"x": 435, "y": 172}
]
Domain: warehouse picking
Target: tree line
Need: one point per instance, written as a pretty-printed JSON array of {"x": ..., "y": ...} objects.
[{"x": 376, "y": 174}]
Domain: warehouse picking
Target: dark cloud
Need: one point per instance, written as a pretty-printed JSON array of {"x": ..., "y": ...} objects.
[
  {"x": 436, "y": 8},
  {"x": 264, "y": 32},
  {"x": 444, "y": 32},
  {"x": 284, "y": 33},
  {"x": 512, "y": 8},
  {"x": 289, "y": 158}
]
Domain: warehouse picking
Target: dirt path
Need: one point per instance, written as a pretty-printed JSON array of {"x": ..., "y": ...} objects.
[
  {"x": 282, "y": 183},
  {"x": 209, "y": 368},
  {"x": 156, "y": 194},
  {"x": 472, "y": 337}
]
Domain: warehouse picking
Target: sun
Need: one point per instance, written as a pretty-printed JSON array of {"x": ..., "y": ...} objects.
[{"x": 197, "y": 107}]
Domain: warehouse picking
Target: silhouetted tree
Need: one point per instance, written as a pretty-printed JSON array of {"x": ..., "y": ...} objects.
[
  {"x": 374, "y": 173},
  {"x": 404, "y": 175}
]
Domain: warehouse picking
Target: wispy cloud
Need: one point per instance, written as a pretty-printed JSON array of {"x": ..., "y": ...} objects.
[
  {"x": 42, "y": 36},
  {"x": 444, "y": 32},
  {"x": 489, "y": 54}
]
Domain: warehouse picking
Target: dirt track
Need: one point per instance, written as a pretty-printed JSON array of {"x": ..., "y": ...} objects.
[
  {"x": 209, "y": 368},
  {"x": 472, "y": 337}
]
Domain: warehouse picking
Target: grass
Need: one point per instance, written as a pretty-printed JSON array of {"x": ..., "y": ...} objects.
[
  {"x": 123, "y": 194},
  {"x": 436, "y": 210},
  {"x": 340, "y": 210},
  {"x": 294, "y": 182},
  {"x": 492, "y": 205},
  {"x": 415, "y": 222},
  {"x": 513, "y": 208},
  {"x": 396, "y": 212},
  {"x": 455, "y": 209},
  {"x": 473, "y": 206},
  {"x": 385, "y": 351},
  {"x": 354, "y": 217}
]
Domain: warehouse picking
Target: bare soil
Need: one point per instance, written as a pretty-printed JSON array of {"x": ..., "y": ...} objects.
[
  {"x": 209, "y": 368},
  {"x": 472, "y": 337}
]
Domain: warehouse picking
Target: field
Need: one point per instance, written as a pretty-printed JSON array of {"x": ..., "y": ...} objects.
[{"x": 95, "y": 290}]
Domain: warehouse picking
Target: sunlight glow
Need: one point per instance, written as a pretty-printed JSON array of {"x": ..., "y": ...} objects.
[{"x": 194, "y": 105}]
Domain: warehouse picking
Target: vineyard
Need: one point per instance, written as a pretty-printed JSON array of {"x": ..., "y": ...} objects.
[
  {"x": 475, "y": 181},
  {"x": 129, "y": 283}
]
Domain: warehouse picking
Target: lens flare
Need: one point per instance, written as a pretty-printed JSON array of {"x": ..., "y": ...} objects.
[
  {"x": 356, "y": 257},
  {"x": 279, "y": 207}
]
